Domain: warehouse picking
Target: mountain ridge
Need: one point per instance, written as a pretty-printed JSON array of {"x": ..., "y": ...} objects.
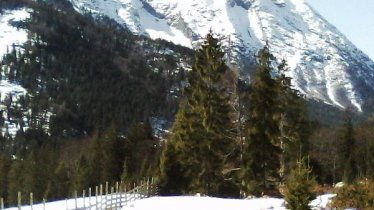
[{"x": 323, "y": 63}]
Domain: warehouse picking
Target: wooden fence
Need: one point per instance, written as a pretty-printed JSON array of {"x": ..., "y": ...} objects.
[{"x": 104, "y": 197}]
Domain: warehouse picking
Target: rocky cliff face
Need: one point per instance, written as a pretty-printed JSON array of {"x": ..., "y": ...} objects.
[{"x": 323, "y": 63}]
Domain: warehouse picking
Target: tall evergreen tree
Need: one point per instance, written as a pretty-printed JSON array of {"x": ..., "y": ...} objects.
[
  {"x": 346, "y": 150},
  {"x": 260, "y": 172},
  {"x": 202, "y": 133},
  {"x": 293, "y": 122}
]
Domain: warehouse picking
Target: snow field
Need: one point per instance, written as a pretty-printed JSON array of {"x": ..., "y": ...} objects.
[{"x": 185, "y": 203}]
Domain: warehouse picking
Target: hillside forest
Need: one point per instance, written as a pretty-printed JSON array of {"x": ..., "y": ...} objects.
[{"x": 104, "y": 105}]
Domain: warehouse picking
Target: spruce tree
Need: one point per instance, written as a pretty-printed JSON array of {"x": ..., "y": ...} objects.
[
  {"x": 294, "y": 124},
  {"x": 174, "y": 179},
  {"x": 299, "y": 187},
  {"x": 346, "y": 150},
  {"x": 201, "y": 137},
  {"x": 260, "y": 172}
]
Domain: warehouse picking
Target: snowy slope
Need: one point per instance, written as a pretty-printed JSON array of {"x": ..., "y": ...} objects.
[
  {"x": 323, "y": 62},
  {"x": 10, "y": 35}
]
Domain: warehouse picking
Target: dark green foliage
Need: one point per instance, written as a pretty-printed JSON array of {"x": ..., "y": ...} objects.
[
  {"x": 370, "y": 161},
  {"x": 4, "y": 170},
  {"x": 262, "y": 150},
  {"x": 81, "y": 175},
  {"x": 112, "y": 157},
  {"x": 15, "y": 181},
  {"x": 141, "y": 152},
  {"x": 201, "y": 139},
  {"x": 293, "y": 122},
  {"x": 84, "y": 75},
  {"x": 347, "y": 150},
  {"x": 299, "y": 187},
  {"x": 90, "y": 73},
  {"x": 59, "y": 185},
  {"x": 173, "y": 177}
]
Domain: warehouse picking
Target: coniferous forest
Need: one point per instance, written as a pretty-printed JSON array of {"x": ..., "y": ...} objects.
[{"x": 96, "y": 95}]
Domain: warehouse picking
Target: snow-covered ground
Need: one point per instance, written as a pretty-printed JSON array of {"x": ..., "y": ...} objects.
[
  {"x": 203, "y": 203},
  {"x": 188, "y": 203}
]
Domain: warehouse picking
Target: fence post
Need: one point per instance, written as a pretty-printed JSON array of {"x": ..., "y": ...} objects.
[
  {"x": 107, "y": 188},
  {"x": 153, "y": 187},
  {"x": 89, "y": 198},
  {"x": 148, "y": 190},
  {"x": 101, "y": 195},
  {"x": 117, "y": 193},
  {"x": 66, "y": 204},
  {"x": 19, "y": 200},
  {"x": 84, "y": 199},
  {"x": 96, "y": 192},
  {"x": 120, "y": 195},
  {"x": 31, "y": 201},
  {"x": 44, "y": 203},
  {"x": 1, "y": 203},
  {"x": 134, "y": 191},
  {"x": 125, "y": 192},
  {"x": 75, "y": 198},
  {"x": 111, "y": 197}
]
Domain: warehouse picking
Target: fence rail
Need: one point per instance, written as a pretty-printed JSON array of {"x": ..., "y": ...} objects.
[{"x": 114, "y": 197}]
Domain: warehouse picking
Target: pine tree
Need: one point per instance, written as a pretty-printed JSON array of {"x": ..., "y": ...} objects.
[
  {"x": 200, "y": 143},
  {"x": 260, "y": 172},
  {"x": 174, "y": 179},
  {"x": 299, "y": 187},
  {"x": 347, "y": 151},
  {"x": 293, "y": 122}
]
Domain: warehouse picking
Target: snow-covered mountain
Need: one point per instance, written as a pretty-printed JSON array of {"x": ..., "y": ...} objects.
[{"x": 323, "y": 62}]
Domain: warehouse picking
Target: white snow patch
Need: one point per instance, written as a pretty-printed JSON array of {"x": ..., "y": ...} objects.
[
  {"x": 10, "y": 35},
  {"x": 7, "y": 88}
]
